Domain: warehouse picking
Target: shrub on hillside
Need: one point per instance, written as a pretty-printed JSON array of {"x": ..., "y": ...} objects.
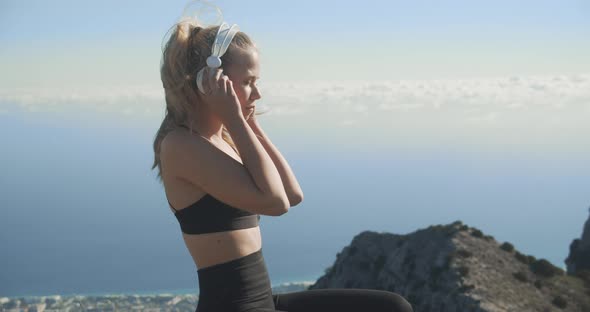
[
  {"x": 559, "y": 302},
  {"x": 545, "y": 268},
  {"x": 463, "y": 253},
  {"x": 463, "y": 271},
  {"x": 457, "y": 223},
  {"x": 522, "y": 258},
  {"x": 507, "y": 247},
  {"x": 466, "y": 288},
  {"x": 531, "y": 259},
  {"x": 520, "y": 276},
  {"x": 477, "y": 233}
]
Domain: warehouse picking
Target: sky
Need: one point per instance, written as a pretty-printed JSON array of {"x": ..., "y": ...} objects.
[
  {"x": 71, "y": 43},
  {"x": 471, "y": 110},
  {"x": 495, "y": 62}
]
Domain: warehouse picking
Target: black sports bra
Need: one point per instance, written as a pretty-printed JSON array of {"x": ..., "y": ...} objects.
[{"x": 209, "y": 215}]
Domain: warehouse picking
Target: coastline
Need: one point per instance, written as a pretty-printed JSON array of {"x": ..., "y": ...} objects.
[
  {"x": 146, "y": 293},
  {"x": 179, "y": 300}
]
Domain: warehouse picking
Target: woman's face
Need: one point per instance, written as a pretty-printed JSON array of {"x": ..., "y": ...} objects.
[{"x": 244, "y": 73}]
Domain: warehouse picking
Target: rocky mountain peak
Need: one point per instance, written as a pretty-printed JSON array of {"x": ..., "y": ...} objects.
[{"x": 454, "y": 267}]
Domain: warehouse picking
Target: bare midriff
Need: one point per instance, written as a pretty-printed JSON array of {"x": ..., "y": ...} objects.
[{"x": 215, "y": 248}]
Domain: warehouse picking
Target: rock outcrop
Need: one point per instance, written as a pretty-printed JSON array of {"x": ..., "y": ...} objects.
[
  {"x": 579, "y": 258},
  {"x": 454, "y": 268}
]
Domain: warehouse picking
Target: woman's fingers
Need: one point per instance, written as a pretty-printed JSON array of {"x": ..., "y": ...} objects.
[
  {"x": 214, "y": 78},
  {"x": 207, "y": 79},
  {"x": 223, "y": 84},
  {"x": 230, "y": 87}
]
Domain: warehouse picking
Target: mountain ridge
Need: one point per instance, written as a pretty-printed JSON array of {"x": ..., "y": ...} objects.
[{"x": 455, "y": 267}]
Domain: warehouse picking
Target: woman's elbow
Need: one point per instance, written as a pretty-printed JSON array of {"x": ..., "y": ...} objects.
[{"x": 295, "y": 199}]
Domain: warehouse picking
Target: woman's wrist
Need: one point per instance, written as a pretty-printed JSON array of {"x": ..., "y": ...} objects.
[
  {"x": 255, "y": 126},
  {"x": 252, "y": 121},
  {"x": 236, "y": 120}
]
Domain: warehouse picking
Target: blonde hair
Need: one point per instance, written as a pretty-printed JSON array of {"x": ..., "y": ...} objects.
[{"x": 184, "y": 54}]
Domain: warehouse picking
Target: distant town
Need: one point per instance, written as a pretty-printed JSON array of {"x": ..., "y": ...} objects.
[{"x": 144, "y": 303}]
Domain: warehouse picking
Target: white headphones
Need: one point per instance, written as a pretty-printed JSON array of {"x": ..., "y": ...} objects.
[{"x": 224, "y": 36}]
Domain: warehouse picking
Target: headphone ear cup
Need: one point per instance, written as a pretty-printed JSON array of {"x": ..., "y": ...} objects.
[{"x": 199, "y": 81}]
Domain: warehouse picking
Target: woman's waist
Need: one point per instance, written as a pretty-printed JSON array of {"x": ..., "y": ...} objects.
[{"x": 226, "y": 246}]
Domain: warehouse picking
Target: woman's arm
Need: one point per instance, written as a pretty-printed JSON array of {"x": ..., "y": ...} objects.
[{"x": 292, "y": 188}]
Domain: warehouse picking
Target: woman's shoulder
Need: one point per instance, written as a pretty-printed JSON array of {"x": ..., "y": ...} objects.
[
  {"x": 172, "y": 139},
  {"x": 178, "y": 138},
  {"x": 180, "y": 142},
  {"x": 176, "y": 148}
]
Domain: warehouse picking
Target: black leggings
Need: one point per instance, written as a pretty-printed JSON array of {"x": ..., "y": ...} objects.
[
  {"x": 340, "y": 299},
  {"x": 243, "y": 285}
]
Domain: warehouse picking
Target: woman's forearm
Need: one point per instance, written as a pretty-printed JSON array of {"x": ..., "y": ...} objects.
[
  {"x": 258, "y": 163},
  {"x": 292, "y": 188}
]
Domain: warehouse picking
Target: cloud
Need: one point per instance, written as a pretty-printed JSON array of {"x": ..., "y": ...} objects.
[
  {"x": 485, "y": 101},
  {"x": 488, "y": 118},
  {"x": 348, "y": 123},
  {"x": 115, "y": 100}
]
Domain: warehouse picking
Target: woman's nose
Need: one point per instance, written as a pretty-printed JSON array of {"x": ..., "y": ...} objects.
[{"x": 256, "y": 94}]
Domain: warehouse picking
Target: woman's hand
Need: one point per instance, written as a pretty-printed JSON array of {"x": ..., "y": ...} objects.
[
  {"x": 252, "y": 118},
  {"x": 222, "y": 98},
  {"x": 254, "y": 125}
]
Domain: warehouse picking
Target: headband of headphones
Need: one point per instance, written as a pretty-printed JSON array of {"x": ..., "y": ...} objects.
[
  {"x": 224, "y": 36},
  {"x": 204, "y": 14}
]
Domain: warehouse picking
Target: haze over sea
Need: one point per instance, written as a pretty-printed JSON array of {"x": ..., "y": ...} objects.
[{"x": 480, "y": 117}]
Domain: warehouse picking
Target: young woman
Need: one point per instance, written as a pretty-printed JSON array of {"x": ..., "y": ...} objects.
[{"x": 217, "y": 185}]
